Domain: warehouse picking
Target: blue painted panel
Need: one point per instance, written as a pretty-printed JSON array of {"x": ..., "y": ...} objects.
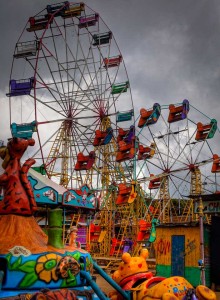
[
  {"x": 80, "y": 198},
  {"x": 177, "y": 255},
  {"x": 44, "y": 195}
]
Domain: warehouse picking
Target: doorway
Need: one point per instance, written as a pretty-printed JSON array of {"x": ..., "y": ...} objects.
[{"x": 177, "y": 255}]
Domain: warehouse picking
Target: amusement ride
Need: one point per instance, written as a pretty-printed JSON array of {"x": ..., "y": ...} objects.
[{"x": 70, "y": 90}]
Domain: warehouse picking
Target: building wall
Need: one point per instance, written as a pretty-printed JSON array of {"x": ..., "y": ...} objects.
[{"x": 163, "y": 247}]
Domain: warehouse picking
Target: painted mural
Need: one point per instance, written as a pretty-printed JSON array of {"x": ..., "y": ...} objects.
[
  {"x": 45, "y": 194},
  {"x": 80, "y": 198},
  {"x": 54, "y": 269}
]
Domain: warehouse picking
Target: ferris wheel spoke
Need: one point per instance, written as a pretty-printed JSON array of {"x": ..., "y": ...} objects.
[
  {"x": 199, "y": 152},
  {"x": 211, "y": 151},
  {"x": 161, "y": 161},
  {"x": 189, "y": 137},
  {"x": 181, "y": 150},
  {"x": 49, "y": 106},
  {"x": 177, "y": 158},
  {"x": 71, "y": 78},
  {"x": 97, "y": 69},
  {"x": 59, "y": 72},
  {"x": 44, "y": 86},
  {"x": 181, "y": 181},
  {"x": 172, "y": 154},
  {"x": 77, "y": 66},
  {"x": 85, "y": 135},
  {"x": 54, "y": 90},
  {"x": 88, "y": 61}
]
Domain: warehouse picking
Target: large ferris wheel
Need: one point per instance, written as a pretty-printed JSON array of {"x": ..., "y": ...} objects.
[{"x": 69, "y": 85}]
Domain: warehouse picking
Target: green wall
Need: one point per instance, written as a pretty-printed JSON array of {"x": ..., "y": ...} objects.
[{"x": 192, "y": 274}]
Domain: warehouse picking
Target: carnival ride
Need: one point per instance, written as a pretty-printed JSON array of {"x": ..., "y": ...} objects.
[{"x": 74, "y": 93}]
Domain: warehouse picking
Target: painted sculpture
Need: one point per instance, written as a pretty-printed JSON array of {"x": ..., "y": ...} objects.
[
  {"x": 18, "y": 194},
  {"x": 133, "y": 275}
]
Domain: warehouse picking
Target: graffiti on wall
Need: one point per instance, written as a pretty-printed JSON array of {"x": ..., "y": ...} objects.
[
  {"x": 190, "y": 247},
  {"x": 163, "y": 247}
]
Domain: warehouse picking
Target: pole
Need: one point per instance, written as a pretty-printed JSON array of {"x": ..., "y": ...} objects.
[
  {"x": 93, "y": 284},
  {"x": 201, "y": 230}
]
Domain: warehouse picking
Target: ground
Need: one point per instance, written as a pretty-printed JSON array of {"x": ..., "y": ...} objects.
[{"x": 103, "y": 284}]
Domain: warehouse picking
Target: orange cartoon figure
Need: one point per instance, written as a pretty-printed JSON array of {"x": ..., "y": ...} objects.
[{"x": 18, "y": 197}]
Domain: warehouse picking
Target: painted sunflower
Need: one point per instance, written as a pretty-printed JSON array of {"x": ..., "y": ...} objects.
[{"x": 46, "y": 267}]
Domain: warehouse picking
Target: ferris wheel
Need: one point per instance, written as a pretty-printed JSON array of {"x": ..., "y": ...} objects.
[
  {"x": 69, "y": 87},
  {"x": 177, "y": 158}
]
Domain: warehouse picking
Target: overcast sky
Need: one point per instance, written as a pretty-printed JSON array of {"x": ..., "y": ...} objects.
[{"x": 171, "y": 48}]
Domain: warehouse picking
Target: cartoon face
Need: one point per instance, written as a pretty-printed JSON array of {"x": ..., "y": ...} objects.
[{"x": 131, "y": 265}]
